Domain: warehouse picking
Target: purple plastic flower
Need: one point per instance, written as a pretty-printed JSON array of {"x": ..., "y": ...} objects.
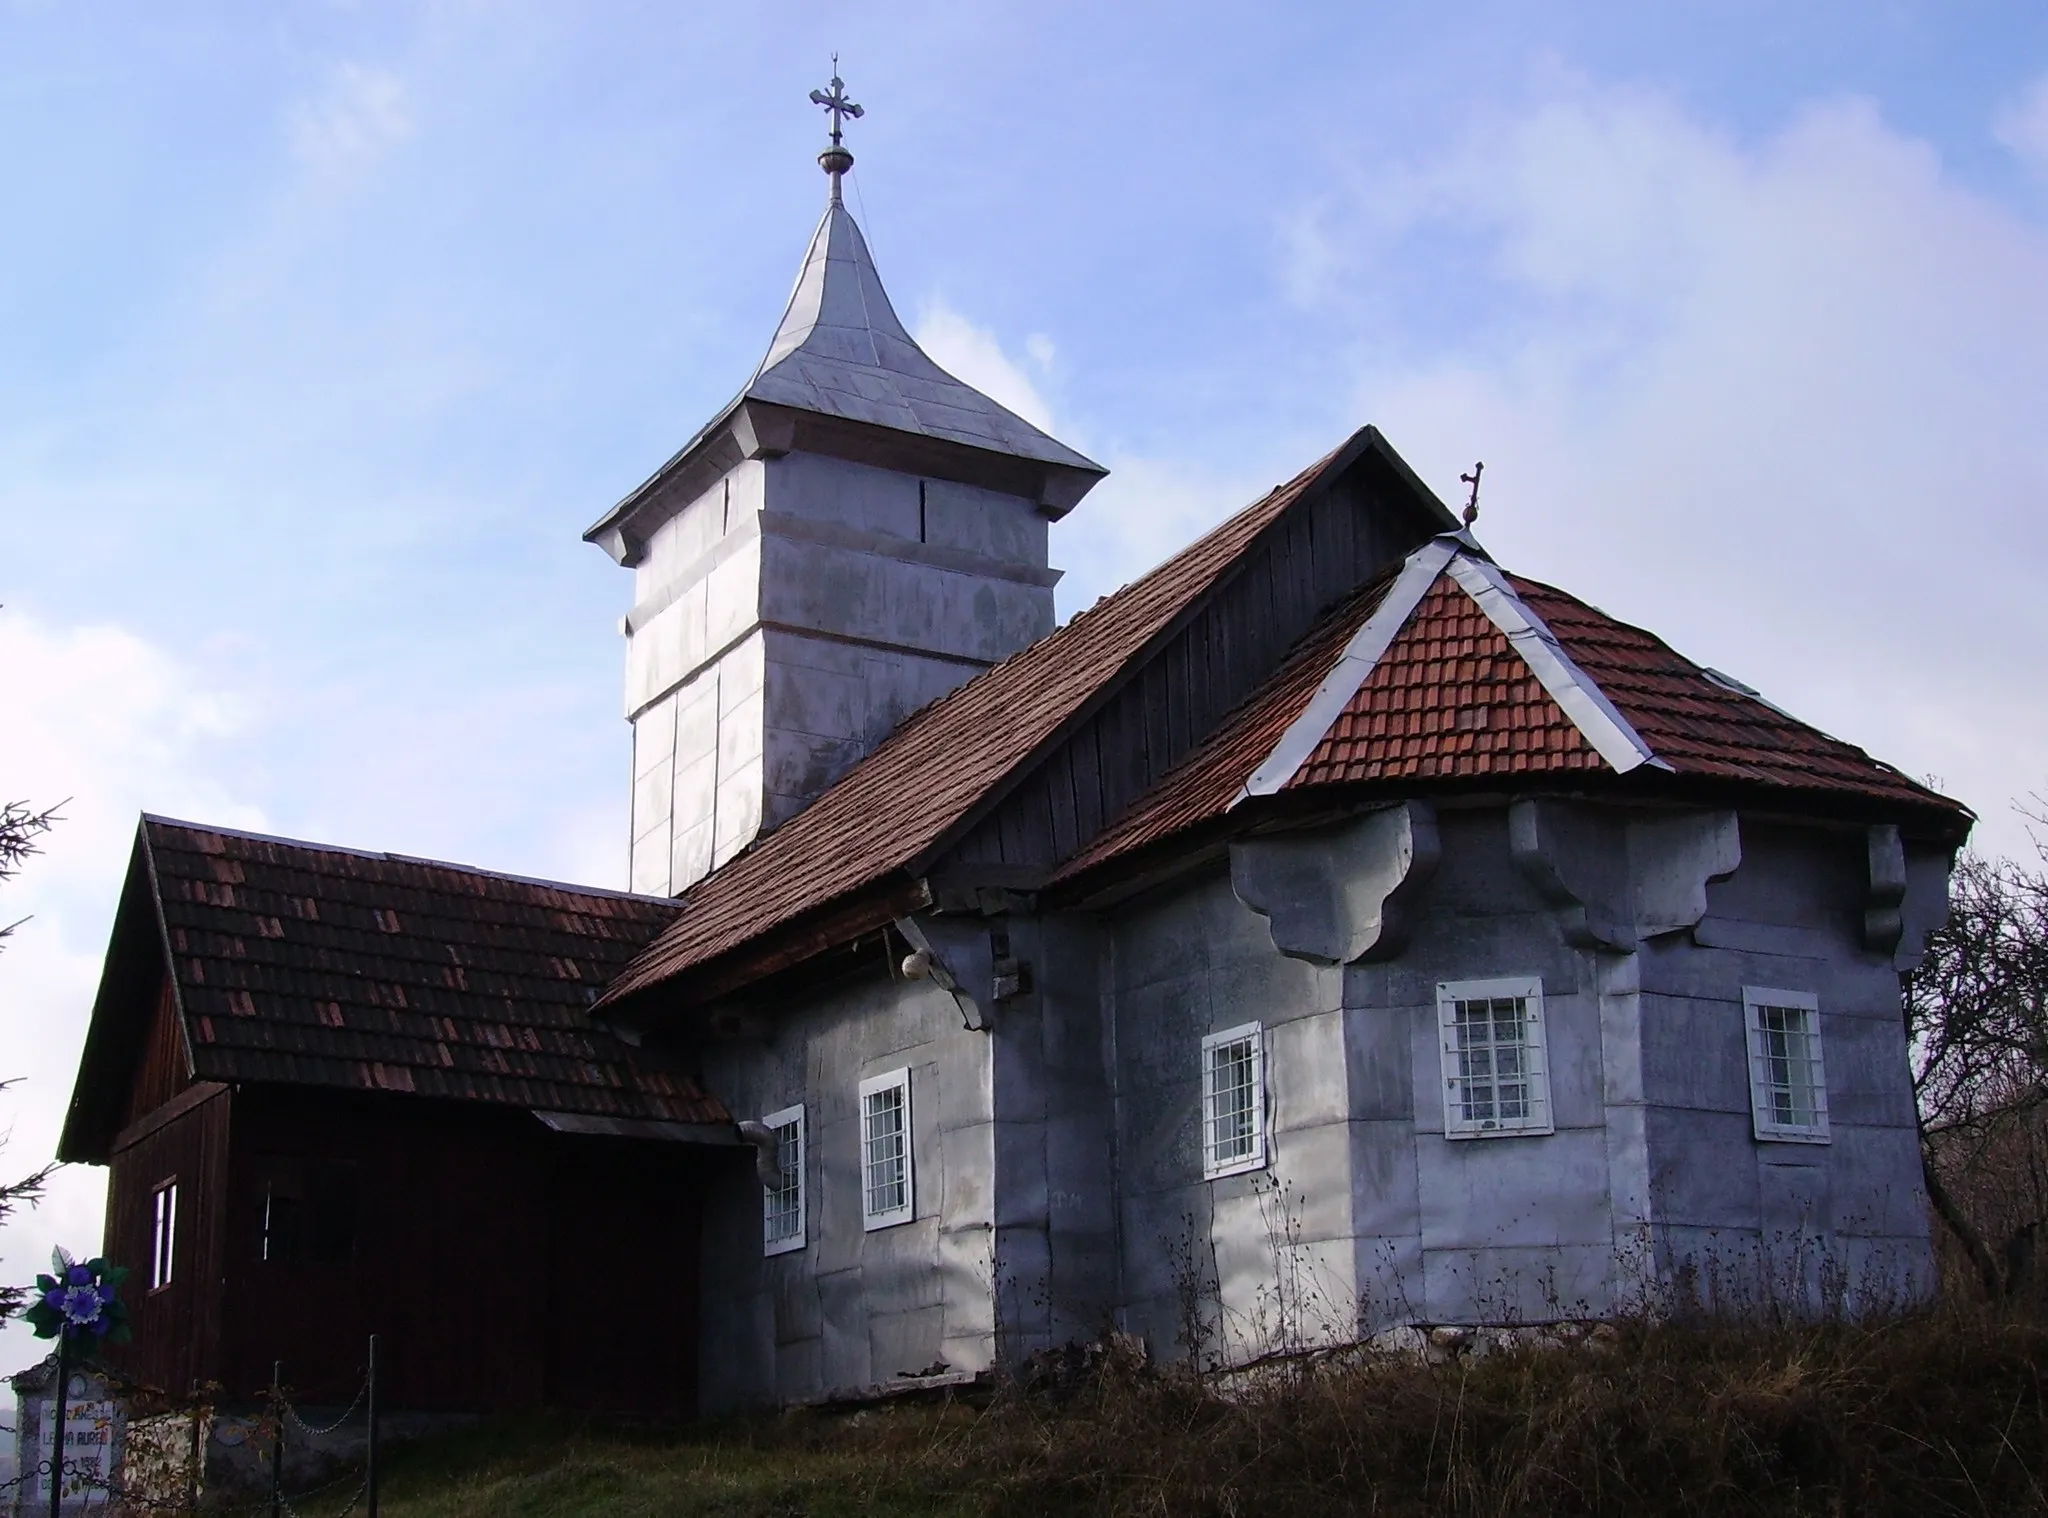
[
  {"x": 84, "y": 1304},
  {"x": 78, "y": 1275}
]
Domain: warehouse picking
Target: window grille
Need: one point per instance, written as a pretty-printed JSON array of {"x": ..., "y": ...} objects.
[
  {"x": 1496, "y": 1069},
  {"x": 782, "y": 1206},
  {"x": 1788, "y": 1087},
  {"x": 886, "y": 1183},
  {"x": 163, "y": 1235},
  {"x": 1233, "y": 1101}
]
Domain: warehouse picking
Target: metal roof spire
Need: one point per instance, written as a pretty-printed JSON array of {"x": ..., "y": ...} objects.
[{"x": 836, "y": 160}]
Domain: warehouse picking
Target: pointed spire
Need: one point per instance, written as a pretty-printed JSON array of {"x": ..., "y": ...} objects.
[
  {"x": 842, "y": 356},
  {"x": 841, "y": 351}
]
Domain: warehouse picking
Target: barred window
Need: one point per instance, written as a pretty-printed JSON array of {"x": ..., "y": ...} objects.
[
  {"x": 1496, "y": 1070},
  {"x": 782, "y": 1206},
  {"x": 1788, "y": 1087},
  {"x": 1233, "y": 1101},
  {"x": 887, "y": 1194}
]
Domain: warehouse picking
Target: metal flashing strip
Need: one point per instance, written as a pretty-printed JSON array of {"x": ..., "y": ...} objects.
[
  {"x": 1570, "y": 687},
  {"x": 1353, "y": 667}
]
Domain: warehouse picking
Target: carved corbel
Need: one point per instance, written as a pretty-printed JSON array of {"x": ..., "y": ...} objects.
[
  {"x": 1615, "y": 880},
  {"x": 1882, "y": 924},
  {"x": 1922, "y": 906},
  {"x": 1336, "y": 895},
  {"x": 1580, "y": 874},
  {"x": 1672, "y": 860},
  {"x": 960, "y": 956}
]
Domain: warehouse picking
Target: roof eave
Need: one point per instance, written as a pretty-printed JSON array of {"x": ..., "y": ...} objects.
[
  {"x": 1938, "y": 820},
  {"x": 136, "y": 943},
  {"x": 752, "y": 429},
  {"x": 632, "y": 1010}
]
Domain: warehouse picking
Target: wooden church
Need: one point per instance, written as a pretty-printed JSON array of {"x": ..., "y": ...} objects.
[{"x": 985, "y": 983}]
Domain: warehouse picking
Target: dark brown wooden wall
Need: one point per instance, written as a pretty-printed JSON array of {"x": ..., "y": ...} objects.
[
  {"x": 490, "y": 1256},
  {"x": 164, "y": 1070},
  {"x": 1324, "y": 548},
  {"x": 177, "y": 1328}
]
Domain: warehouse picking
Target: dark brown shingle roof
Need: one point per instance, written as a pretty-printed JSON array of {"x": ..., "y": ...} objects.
[{"x": 305, "y": 965}]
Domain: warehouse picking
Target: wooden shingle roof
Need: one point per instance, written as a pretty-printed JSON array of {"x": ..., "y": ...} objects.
[{"x": 297, "y": 964}]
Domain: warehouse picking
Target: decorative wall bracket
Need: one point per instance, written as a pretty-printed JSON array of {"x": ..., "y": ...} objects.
[
  {"x": 1334, "y": 895},
  {"x": 1908, "y": 895},
  {"x": 1615, "y": 879}
]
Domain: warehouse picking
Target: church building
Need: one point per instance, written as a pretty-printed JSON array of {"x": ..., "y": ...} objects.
[{"x": 1329, "y": 934}]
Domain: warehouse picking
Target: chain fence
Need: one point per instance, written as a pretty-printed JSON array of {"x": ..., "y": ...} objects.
[{"x": 80, "y": 1476}]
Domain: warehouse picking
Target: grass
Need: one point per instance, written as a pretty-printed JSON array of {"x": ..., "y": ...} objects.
[
  {"x": 1926, "y": 1416},
  {"x": 875, "y": 1462}
]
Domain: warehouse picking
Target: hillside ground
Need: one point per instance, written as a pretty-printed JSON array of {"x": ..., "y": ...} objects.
[{"x": 1930, "y": 1415}]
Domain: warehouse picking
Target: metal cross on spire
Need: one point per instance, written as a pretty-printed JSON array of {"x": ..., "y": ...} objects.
[
  {"x": 836, "y": 160},
  {"x": 1472, "y": 479}
]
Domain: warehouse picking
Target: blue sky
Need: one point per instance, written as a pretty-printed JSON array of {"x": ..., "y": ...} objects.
[{"x": 325, "y": 329}]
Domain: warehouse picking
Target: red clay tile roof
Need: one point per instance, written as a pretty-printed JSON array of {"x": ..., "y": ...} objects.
[
  {"x": 306, "y": 965},
  {"x": 1702, "y": 727},
  {"x": 924, "y": 780},
  {"x": 1451, "y": 699}
]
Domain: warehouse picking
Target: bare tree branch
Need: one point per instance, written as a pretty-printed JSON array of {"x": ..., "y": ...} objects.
[{"x": 1977, "y": 1015}]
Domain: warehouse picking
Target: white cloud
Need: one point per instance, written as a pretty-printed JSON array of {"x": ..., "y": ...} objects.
[
  {"x": 97, "y": 715},
  {"x": 974, "y": 354},
  {"x": 1781, "y": 403},
  {"x": 361, "y": 112},
  {"x": 2023, "y": 127}
]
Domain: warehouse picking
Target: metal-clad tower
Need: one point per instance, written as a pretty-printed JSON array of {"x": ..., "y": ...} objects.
[{"x": 852, "y": 536}]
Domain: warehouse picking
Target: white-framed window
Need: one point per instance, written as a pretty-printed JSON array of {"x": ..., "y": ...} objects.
[
  {"x": 1495, "y": 1059},
  {"x": 1234, "y": 1101},
  {"x": 1788, "y": 1085},
  {"x": 163, "y": 1234},
  {"x": 887, "y": 1191},
  {"x": 782, "y": 1206}
]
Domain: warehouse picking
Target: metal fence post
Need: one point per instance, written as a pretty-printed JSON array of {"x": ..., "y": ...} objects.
[
  {"x": 277, "y": 1439},
  {"x": 370, "y": 1442}
]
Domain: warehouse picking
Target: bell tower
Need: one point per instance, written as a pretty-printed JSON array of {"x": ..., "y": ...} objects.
[{"x": 854, "y": 535}]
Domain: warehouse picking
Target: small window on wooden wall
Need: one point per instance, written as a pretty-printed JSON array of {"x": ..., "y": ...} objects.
[
  {"x": 308, "y": 1212},
  {"x": 163, "y": 1235}
]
